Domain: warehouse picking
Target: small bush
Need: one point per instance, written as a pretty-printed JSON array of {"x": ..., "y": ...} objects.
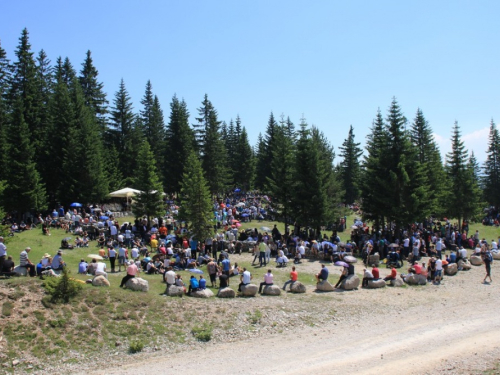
[
  {"x": 203, "y": 332},
  {"x": 7, "y": 308},
  {"x": 136, "y": 346},
  {"x": 62, "y": 289},
  {"x": 255, "y": 317}
]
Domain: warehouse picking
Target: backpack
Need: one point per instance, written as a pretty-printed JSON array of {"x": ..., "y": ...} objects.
[{"x": 489, "y": 257}]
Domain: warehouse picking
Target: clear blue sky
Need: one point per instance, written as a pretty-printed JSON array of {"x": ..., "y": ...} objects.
[{"x": 333, "y": 62}]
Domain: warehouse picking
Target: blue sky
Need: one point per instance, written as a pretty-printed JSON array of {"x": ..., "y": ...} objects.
[{"x": 333, "y": 62}]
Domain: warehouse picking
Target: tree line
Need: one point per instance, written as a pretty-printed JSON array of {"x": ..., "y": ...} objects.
[{"x": 61, "y": 140}]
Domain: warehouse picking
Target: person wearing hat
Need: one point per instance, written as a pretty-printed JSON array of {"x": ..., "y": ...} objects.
[
  {"x": 57, "y": 262},
  {"x": 25, "y": 262},
  {"x": 131, "y": 272},
  {"x": 46, "y": 262}
]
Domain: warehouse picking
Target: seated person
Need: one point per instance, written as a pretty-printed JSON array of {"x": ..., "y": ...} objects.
[
  {"x": 65, "y": 244},
  {"x": 103, "y": 253},
  {"x": 194, "y": 285},
  {"x": 92, "y": 267},
  {"x": 24, "y": 261},
  {"x": 14, "y": 228},
  {"x": 367, "y": 276},
  {"x": 376, "y": 273},
  {"x": 151, "y": 268},
  {"x": 235, "y": 270},
  {"x": 8, "y": 267},
  {"x": 101, "y": 269},
  {"x": 322, "y": 275},
  {"x": 297, "y": 258},
  {"x": 57, "y": 262},
  {"x": 202, "y": 283},
  {"x": 46, "y": 262},
  {"x": 101, "y": 241},
  {"x": 78, "y": 242},
  {"x": 392, "y": 275},
  {"x": 82, "y": 267},
  {"x": 282, "y": 261},
  {"x": 424, "y": 271},
  {"x": 22, "y": 226},
  {"x": 85, "y": 240}
]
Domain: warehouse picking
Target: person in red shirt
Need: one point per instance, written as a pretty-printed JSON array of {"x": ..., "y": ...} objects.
[
  {"x": 375, "y": 273},
  {"x": 293, "y": 278},
  {"x": 392, "y": 276}
]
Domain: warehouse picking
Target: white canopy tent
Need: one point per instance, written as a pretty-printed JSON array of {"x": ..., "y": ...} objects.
[{"x": 125, "y": 193}]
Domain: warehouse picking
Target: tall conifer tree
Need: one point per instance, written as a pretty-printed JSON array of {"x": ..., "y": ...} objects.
[
  {"x": 491, "y": 180},
  {"x": 350, "y": 170}
]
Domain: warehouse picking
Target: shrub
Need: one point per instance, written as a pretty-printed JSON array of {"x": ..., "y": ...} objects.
[
  {"x": 136, "y": 346},
  {"x": 7, "y": 308},
  {"x": 255, "y": 317},
  {"x": 203, "y": 332},
  {"x": 62, "y": 289}
]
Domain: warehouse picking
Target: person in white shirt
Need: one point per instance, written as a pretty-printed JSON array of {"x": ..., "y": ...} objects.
[
  {"x": 101, "y": 269},
  {"x": 439, "y": 271},
  {"x": 135, "y": 253},
  {"x": 3, "y": 253},
  {"x": 494, "y": 246},
  {"x": 245, "y": 278}
]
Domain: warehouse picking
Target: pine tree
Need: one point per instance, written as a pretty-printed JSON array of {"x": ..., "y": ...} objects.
[
  {"x": 244, "y": 176},
  {"x": 491, "y": 180},
  {"x": 25, "y": 191},
  {"x": 462, "y": 195},
  {"x": 153, "y": 125},
  {"x": 124, "y": 134},
  {"x": 202, "y": 124},
  {"x": 196, "y": 201},
  {"x": 265, "y": 158},
  {"x": 350, "y": 170},
  {"x": 5, "y": 76},
  {"x": 93, "y": 91},
  {"x": 150, "y": 201},
  {"x": 179, "y": 143}
]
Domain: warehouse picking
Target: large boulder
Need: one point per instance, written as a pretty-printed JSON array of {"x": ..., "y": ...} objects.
[
  {"x": 226, "y": 293},
  {"x": 22, "y": 271},
  {"x": 271, "y": 290},
  {"x": 451, "y": 269},
  {"x": 325, "y": 286},
  {"x": 397, "y": 282},
  {"x": 297, "y": 287},
  {"x": 351, "y": 282},
  {"x": 373, "y": 260},
  {"x": 496, "y": 255},
  {"x": 138, "y": 284},
  {"x": 175, "y": 291},
  {"x": 249, "y": 290},
  {"x": 416, "y": 280},
  {"x": 374, "y": 284},
  {"x": 476, "y": 260},
  {"x": 100, "y": 281},
  {"x": 202, "y": 293}
]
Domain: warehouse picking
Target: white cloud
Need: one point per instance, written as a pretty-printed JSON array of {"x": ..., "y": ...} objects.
[{"x": 476, "y": 141}]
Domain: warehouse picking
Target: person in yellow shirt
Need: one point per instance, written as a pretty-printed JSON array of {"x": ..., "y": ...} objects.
[{"x": 154, "y": 244}]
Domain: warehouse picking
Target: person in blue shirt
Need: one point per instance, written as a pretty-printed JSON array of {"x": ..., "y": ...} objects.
[
  {"x": 193, "y": 285},
  {"x": 226, "y": 266},
  {"x": 202, "y": 283},
  {"x": 193, "y": 244}
]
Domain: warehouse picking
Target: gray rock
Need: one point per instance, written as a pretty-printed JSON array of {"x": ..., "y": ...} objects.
[
  {"x": 373, "y": 260},
  {"x": 375, "y": 284},
  {"x": 397, "y": 282},
  {"x": 476, "y": 260},
  {"x": 203, "y": 293},
  {"x": 100, "y": 281},
  {"x": 451, "y": 269},
  {"x": 325, "y": 286},
  {"x": 297, "y": 287},
  {"x": 416, "y": 280},
  {"x": 137, "y": 284},
  {"x": 175, "y": 291},
  {"x": 350, "y": 283},
  {"x": 271, "y": 290},
  {"x": 15, "y": 362},
  {"x": 249, "y": 290},
  {"x": 226, "y": 293},
  {"x": 496, "y": 255},
  {"x": 23, "y": 271}
]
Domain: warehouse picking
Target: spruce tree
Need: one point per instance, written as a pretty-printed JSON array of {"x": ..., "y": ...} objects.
[
  {"x": 491, "y": 179},
  {"x": 265, "y": 158},
  {"x": 244, "y": 175},
  {"x": 202, "y": 123},
  {"x": 195, "y": 199},
  {"x": 5, "y": 75},
  {"x": 149, "y": 202},
  {"x": 179, "y": 143},
  {"x": 93, "y": 91},
  {"x": 25, "y": 190},
  {"x": 350, "y": 170},
  {"x": 153, "y": 125}
]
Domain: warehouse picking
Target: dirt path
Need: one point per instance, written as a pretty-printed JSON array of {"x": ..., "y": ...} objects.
[{"x": 450, "y": 329}]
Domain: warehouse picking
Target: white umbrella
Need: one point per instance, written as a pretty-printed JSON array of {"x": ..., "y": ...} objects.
[{"x": 95, "y": 256}]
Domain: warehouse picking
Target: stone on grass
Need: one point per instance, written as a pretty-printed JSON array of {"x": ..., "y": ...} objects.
[
  {"x": 226, "y": 293},
  {"x": 297, "y": 287},
  {"x": 271, "y": 290},
  {"x": 373, "y": 260},
  {"x": 496, "y": 255},
  {"x": 325, "y": 286},
  {"x": 138, "y": 284},
  {"x": 374, "y": 284},
  {"x": 350, "y": 259},
  {"x": 202, "y": 293},
  {"x": 175, "y": 291},
  {"x": 100, "y": 281},
  {"x": 23, "y": 271},
  {"x": 416, "y": 280},
  {"x": 451, "y": 269},
  {"x": 249, "y": 290},
  {"x": 397, "y": 282},
  {"x": 476, "y": 260},
  {"x": 351, "y": 282}
]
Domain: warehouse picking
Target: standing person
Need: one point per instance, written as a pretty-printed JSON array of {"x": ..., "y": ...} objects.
[
  {"x": 212, "y": 272},
  {"x": 293, "y": 278},
  {"x": 226, "y": 266},
  {"x": 131, "y": 272},
  {"x": 487, "y": 259},
  {"x": 112, "y": 258},
  {"x": 262, "y": 253},
  {"x": 245, "y": 279},
  {"x": 439, "y": 271},
  {"x": 268, "y": 280},
  {"x": 122, "y": 255},
  {"x": 439, "y": 247},
  {"x": 3, "y": 253},
  {"x": 223, "y": 282}
]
